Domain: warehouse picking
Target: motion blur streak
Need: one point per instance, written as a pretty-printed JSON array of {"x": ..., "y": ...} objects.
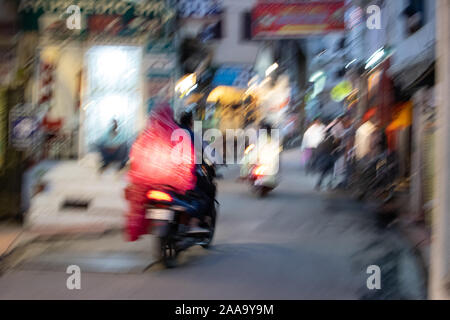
[{"x": 260, "y": 149}]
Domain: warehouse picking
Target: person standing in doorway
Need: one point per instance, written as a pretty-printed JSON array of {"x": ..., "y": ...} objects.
[{"x": 113, "y": 147}]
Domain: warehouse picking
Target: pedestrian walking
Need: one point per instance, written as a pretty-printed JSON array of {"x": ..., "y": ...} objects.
[
  {"x": 311, "y": 140},
  {"x": 326, "y": 159}
]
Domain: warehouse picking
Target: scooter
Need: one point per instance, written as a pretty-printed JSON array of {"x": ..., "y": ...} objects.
[
  {"x": 263, "y": 178},
  {"x": 261, "y": 182}
]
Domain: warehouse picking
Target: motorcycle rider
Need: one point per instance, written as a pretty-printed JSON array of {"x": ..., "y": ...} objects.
[{"x": 204, "y": 191}]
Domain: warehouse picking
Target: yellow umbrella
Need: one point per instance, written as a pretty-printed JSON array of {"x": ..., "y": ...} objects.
[{"x": 226, "y": 95}]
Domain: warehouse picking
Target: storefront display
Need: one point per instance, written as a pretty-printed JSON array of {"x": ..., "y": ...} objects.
[{"x": 94, "y": 73}]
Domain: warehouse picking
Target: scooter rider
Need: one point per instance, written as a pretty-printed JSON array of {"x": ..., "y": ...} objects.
[
  {"x": 269, "y": 151},
  {"x": 264, "y": 152}
]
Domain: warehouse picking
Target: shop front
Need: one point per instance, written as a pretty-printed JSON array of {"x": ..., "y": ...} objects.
[{"x": 104, "y": 70}]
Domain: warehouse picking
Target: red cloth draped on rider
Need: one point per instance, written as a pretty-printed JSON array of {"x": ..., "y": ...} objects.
[{"x": 162, "y": 155}]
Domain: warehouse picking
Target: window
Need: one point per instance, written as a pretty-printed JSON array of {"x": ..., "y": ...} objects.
[
  {"x": 246, "y": 26},
  {"x": 415, "y": 16},
  {"x": 211, "y": 31}
]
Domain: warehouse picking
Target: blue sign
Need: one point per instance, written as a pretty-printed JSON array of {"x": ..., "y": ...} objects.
[{"x": 233, "y": 77}]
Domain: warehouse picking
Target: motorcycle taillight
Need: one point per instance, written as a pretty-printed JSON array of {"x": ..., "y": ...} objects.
[
  {"x": 260, "y": 171},
  {"x": 159, "y": 196}
]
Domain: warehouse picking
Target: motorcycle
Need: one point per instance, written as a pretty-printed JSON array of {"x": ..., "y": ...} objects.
[{"x": 169, "y": 214}]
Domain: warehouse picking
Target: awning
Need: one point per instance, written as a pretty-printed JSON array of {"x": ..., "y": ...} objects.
[
  {"x": 408, "y": 68},
  {"x": 409, "y": 77}
]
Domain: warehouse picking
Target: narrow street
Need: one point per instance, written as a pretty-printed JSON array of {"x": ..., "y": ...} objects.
[{"x": 295, "y": 244}]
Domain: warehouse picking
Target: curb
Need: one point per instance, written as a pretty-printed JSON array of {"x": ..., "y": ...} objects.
[
  {"x": 53, "y": 237},
  {"x": 417, "y": 250}
]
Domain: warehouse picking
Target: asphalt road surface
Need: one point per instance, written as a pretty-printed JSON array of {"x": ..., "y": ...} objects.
[{"x": 295, "y": 244}]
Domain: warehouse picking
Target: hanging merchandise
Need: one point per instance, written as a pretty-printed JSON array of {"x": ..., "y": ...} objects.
[
  {"x": 341, "y": 91},
  {"x": 47, "y": 82}
]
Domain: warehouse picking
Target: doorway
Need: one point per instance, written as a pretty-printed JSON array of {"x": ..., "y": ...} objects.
[{"x": 113, "y": 92}]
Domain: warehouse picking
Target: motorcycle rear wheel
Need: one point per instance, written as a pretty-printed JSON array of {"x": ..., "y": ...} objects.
[
  {"x": 263, "y": 192},
  {"x": 168, "y": 253}
]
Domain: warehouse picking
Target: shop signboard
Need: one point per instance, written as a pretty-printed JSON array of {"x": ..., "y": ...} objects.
[
  {"x": 151, "y": 9},
  {"x": 292, "y": 20},
  {"x": 119, "y": 18}
]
